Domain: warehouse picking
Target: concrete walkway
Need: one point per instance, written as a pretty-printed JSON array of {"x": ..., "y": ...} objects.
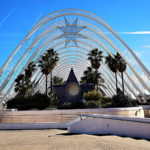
[{"x": 59, "y": 140}]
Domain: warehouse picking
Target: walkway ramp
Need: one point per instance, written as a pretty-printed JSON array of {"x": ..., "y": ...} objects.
[{"x": 111, "y": 124}]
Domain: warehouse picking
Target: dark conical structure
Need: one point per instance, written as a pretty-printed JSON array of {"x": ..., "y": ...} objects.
[
  {"x": 72, "y": 91},
  {"x": 72, "y": 77}
]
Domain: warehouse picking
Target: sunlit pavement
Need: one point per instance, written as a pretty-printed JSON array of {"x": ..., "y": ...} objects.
[{"x": 60, "y": 140}]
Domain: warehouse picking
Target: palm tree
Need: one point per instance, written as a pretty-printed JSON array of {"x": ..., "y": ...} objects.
[
  {"x": 57, "y": 80},
  {"x": 88, "y": 76},
  {"x": 23, "y": 81},
  {"x": 29, "y": 70},
  {"x": 91, "y": 76},
  {"x": 20, "y": 86},
  {"x": 28, "y": 74},
  {"x": 95, "y": 57},
  {"x": 113, "y": 66},
  {"x": 47, "y": 63},
  {"x": 121, "y": 67}
]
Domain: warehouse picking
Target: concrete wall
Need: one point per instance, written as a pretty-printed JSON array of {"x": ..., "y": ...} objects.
[
  {"x": 34, "y": 126},
  {"x": 146, "y": 109},
  {"x": 64, "y": 115},
  {"x": 102, "y": 124}
]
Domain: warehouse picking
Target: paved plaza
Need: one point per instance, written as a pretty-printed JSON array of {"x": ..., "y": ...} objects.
[{"x": 60, "y": 140}]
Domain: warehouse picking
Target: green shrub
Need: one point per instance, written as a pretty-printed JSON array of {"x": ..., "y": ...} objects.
[
  {"x": 121, "y": 100},
  {"x": 68, "y": 105},
  {"x": 37, "y": 101},
  {"x": 15, "y": 102},
  {"x": 148, "y": 101},
  {"x": 106, "y": 100},
  {"x": 78, "y": 105},
  {"x": 89, "y": 104},
  {"x": 92, "y": 95},
  {"x": 134, "y": 102},
  {"x": 108, "y": 105},
  {"x": 93, "y": 104}
]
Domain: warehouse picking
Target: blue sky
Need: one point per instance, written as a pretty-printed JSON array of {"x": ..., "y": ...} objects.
[{"x": 129, "y": 18}]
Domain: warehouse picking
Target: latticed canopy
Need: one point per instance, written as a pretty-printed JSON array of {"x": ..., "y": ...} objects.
[{"x": 73, "y": 33}]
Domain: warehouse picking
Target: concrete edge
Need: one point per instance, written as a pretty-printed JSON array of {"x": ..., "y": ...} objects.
[{"x": 32, "y": 126}]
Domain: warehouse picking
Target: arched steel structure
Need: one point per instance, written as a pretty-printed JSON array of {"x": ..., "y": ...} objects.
[{"x": 97, "y": 34}]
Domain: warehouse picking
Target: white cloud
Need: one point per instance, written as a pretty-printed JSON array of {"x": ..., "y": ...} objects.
[
  {"x": 147, "y": 46},
  {"x": 136, "y": 32},
  {"x": 8, "y": 15}
]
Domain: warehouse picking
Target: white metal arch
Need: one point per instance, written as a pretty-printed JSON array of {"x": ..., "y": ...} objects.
[
  {"x": 48, "y": 41},
  {"x": 40, "y": 30}
]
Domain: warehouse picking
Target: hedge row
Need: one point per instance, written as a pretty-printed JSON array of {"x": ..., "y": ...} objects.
[
  {"x": 93, "y": 99},
  {"x": 38, "y": 101}
]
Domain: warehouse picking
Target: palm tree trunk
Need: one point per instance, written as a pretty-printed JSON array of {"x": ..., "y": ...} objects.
[
  {"x": 51, "y": 84},
  {"x": 46, "y": 84},
  {"x": 122, "y": 82},
  {"x": 116, "y": 82},
  {"x": 97, "y": 79}
]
